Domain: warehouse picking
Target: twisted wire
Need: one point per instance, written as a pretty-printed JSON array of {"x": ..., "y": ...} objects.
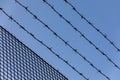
[
  {"x": 65, "y": 42},
  {"x": 77, "y": 30},
  {"x": 92, "y": 25},
  {"x": 41, "y": 42}
]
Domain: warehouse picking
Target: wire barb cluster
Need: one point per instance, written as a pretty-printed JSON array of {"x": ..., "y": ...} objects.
[
  {"x": 92, "y": 25},
  {"x": 41, "y": 42},
  {"x": 65, "y": 42},
  {"x": 77, "y": 30}
]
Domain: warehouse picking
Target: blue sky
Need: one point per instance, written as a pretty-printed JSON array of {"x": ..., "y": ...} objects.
[{"x": 102, "y": 13}]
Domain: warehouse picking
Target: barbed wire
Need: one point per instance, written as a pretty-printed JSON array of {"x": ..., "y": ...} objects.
[
  {"x": 91, "y": 24},
  {"x": 75, "y": 28},
  {"x": 65, "y": 42},
  {"x": 41, "y": 42}
]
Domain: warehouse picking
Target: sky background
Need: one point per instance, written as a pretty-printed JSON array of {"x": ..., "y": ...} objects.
[{"x": 105, "y": 14}]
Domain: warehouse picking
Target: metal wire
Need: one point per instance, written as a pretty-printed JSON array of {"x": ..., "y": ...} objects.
[
  {"x": 65, "y": 42},
  {"x": 41, "y": 42},
  {"x": 92, "y": 25},
  {"x": 18, "y": 62},
  {"x": 75, "y": 28}
]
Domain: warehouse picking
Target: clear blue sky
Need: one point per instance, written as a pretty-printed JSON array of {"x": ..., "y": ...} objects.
[{"x": 105, "y": 14}]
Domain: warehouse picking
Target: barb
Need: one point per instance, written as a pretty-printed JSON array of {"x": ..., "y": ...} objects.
[
  {"x": 67, "y": 21},
  {"x": 92, "y": 25},
  {"x": 41, "y": 42},
  {"x": 65, "y": 42}
]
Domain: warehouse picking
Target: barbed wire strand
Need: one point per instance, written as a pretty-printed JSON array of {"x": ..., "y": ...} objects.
[
  {"x": 91, "y": 24},
  {"x": 75, "y": 28},
  {"x": 65, "y": 42},
  {"x": 41, "y": 42}
]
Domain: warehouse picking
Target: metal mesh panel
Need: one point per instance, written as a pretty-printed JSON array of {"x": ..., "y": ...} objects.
[{"x": 18, "y": 62}]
